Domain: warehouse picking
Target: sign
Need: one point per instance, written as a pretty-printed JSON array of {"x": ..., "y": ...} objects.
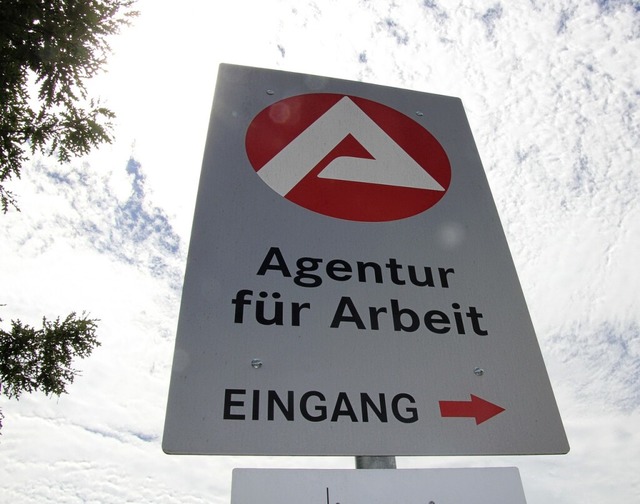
[
  {"x": 349, "y": 289},
  {"x": 498, "y": 485},
  {"x": 334, "y": 158}
]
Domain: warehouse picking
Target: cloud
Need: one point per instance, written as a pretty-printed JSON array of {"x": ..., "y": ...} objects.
[
  {"x": 610, "y": 6},
  {"x": 434, "y": 8},
  {"x": 566, "y": 14},
  {"x": 86, "y": 209},
  {"x": 603, "y": 363},
  {"x": 490, "y": 18},
  {"x": 395, "y": 30}
]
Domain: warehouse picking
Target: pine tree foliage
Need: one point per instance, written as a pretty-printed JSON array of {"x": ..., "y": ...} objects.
[
  {"x": 41, "y": 359},
  {"x": 48, "y": 50}
]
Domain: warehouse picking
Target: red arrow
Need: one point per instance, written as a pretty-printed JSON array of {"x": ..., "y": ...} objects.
[{"x": 477, "y": 408}]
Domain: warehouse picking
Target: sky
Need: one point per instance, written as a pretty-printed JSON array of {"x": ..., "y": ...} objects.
[{"x": 551, "y": 91}]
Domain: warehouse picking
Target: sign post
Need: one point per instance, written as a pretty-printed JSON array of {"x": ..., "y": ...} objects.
[
  {"x": 375, "y": 462},
  {"x": 349, "y": 289}
]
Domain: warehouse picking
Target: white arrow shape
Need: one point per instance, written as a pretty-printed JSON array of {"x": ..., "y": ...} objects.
[{"x": 391, "y": 164}]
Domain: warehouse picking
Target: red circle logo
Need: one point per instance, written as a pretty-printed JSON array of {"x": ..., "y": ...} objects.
[{"x": 347, "y": 157}]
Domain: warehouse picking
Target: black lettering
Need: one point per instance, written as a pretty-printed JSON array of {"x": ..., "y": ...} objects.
[
  {"x": 338, "y": 266},
  {"x": 373, "y": 316},
  {"x": 475, "y": 321},
  {"x": 428, "y": 277},
  {"x": 343, "y": 402},
  {"x": 366, "y": 402},
  {"x": 255, "y": 409},
  {"x": 230, "y": 403},
  {"x": 320, "y": 409},
  {"x": 296, "y": 308},
  {"x": 310, "y": 274},
  {"x": 313, "y": 406},
  {"x": 277, "y": 316},
  {"x": 281, "y": 265},
  {"x": 306, "y": 265},
  {"x": 458, "y": 318},
  {"x": 394, "y": 267},
  {"x": 433, "y": 317},
  {"x": 397, "y": 313},
  {"x": 413, "y": 412},
  {"x": 362, "y": 268},
  {"x": 274, "y": 400},
  {"x": 444, "y": 281},
  {"x": 240, "y": 301},
  {"x": 339, "y": 317}
]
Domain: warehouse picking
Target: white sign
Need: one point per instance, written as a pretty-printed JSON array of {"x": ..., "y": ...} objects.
[
  {"x": 499, "y": 485},
  {"x": 349, "y": 289}
]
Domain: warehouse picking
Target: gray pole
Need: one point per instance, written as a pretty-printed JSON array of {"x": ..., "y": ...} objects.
[{"x": 375, "y": 462}]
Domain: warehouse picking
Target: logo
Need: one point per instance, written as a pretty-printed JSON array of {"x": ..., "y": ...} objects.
[{"x": 347, "y": 157}]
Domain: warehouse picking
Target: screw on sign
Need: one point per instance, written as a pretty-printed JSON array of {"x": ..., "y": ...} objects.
[{"x": 347, "y": 157}]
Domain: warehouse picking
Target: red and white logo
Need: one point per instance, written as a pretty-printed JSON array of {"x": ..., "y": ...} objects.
[{"x": 347, "y": 157}]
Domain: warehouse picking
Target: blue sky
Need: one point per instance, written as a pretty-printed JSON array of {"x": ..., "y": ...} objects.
[{"x": 551, "y": 91}]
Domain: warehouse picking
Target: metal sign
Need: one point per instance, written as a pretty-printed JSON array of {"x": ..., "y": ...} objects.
[
  {"x": 497, "y": 485},
  {"x": 349, "y": 289}
]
